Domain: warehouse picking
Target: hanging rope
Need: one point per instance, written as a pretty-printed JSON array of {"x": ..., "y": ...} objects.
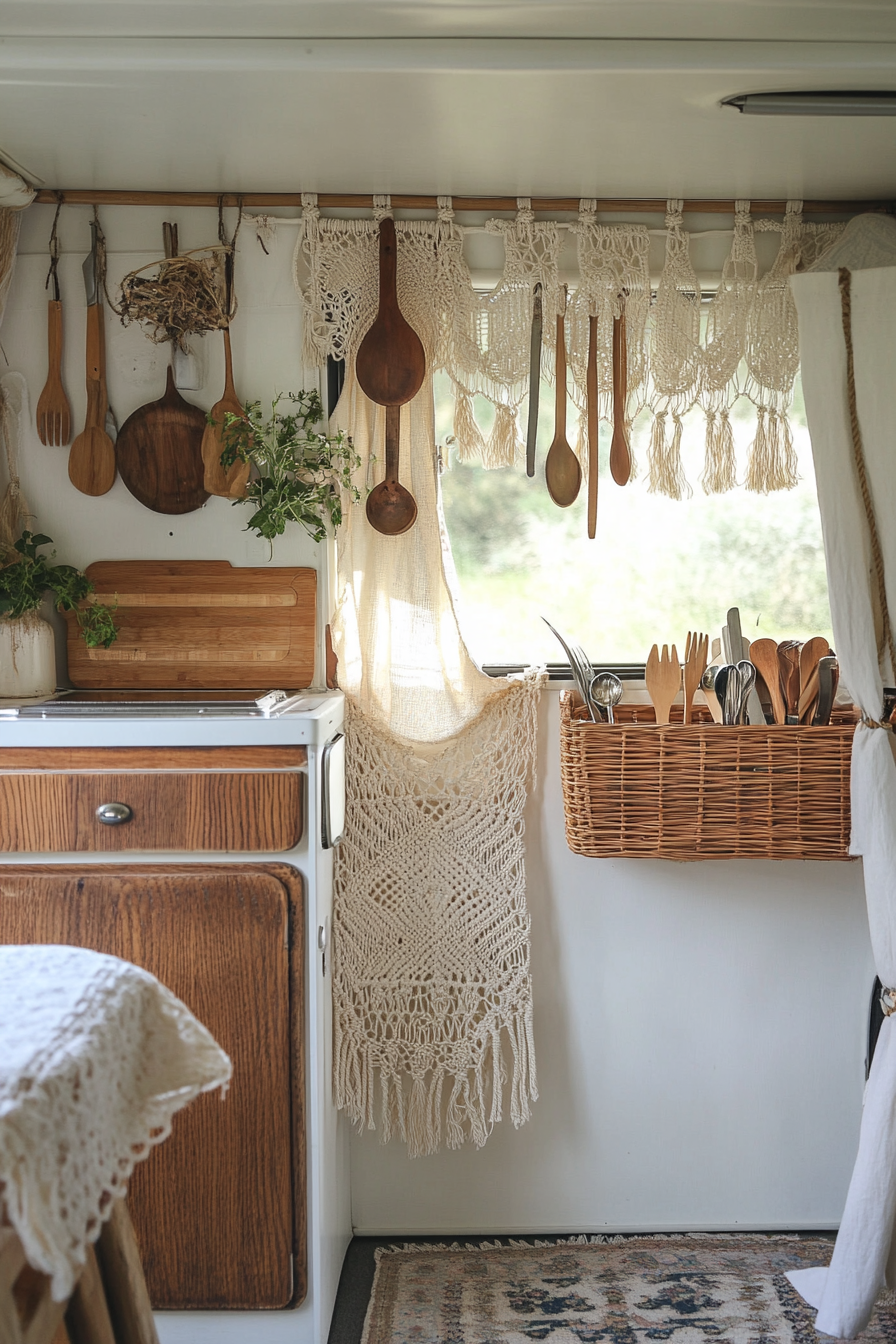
[
  {"x": 54, "y": 251},
  {"x": 885, "y": 639}
]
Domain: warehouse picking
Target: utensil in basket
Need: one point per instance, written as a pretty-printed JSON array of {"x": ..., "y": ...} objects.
[
  {"x": 606, "y": 691},
  {"x": 828, "y": 670},
  {"x": 708, "y": 687},
  {"x": 582, "y": 671},
  {"x": 810, "y": 654},
  {"x": 696, "y": 652},
  {"x": 789, "y": 663},
  {"x": 662, "y": 675},
  {"x": 764, "y": 657}
]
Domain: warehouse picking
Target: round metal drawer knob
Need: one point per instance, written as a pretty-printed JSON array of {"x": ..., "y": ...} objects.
[{"x": 114, "y": 814}]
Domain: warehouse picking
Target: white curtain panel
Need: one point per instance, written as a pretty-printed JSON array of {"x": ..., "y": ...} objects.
[{"x": 864, "y": 1259}]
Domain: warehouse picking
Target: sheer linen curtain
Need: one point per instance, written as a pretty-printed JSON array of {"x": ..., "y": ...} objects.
[{"x": 853, "y": 448}]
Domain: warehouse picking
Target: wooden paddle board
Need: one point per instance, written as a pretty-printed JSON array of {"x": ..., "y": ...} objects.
[{"x": 200, "y": 625}]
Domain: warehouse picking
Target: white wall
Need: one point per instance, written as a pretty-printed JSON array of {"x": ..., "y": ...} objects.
[
  {"x": 699, "y": 1028},
  {"x": 700, "y": 1039}
]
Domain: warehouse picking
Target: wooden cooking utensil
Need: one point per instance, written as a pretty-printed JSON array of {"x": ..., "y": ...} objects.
[
  {"x": 696, "y": 652},
  {"x": 764, "y": 657},
  {"x": 591, "y": 392},
  {"x": 562, "y": 472},
  {"x": 662, "y": 675},
  {"x": 812, "y": 651},
  {"x": 534, "y": 381},
  {"x": 160, "y": 453},
  {"x": 54, "y": 417},
  {"x": 390, "y": 508},
  {"x": 390, "y": 364},
  {"x": 91, "y": 459},
  {"x": 620, "y": 454},
  {"x": 230, "y": 481},
  {"x": 789, "y": 663}
]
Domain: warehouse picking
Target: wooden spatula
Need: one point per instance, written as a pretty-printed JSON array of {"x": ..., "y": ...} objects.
[
  {"x": 662, "y": 675},
  {"x": 91, "y": 459},
  {"x": 230, "y": 481},
  {"x": 620, "y": 454},
  {"x": 812, "y": 651},
  {"x": 764, "y": 657}
]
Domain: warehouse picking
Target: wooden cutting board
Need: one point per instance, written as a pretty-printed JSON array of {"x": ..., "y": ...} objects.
[{"x": 200, "y": 625}]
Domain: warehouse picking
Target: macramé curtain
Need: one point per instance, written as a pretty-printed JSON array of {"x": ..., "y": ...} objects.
[
  {"x": 432, "y": 995},
  {"x": 848, "y": 318}
]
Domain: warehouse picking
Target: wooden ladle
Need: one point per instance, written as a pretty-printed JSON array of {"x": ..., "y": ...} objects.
[
  {"x": 390, "y": 366},
  {"x": 562, "y": 473},
  {"x": 391, "y": 509},
  {"x": 620, "y": 454}
]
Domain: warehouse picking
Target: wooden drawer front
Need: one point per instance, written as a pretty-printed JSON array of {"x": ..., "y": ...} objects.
[
  {"x": 46, "y": 812},
  {"x": 219, "y": 1207}
]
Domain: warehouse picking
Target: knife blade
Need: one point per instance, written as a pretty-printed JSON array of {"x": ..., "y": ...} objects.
[{"x": 534, "y": 381}]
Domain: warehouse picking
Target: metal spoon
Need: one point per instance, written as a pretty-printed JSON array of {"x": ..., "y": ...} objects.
[{"x": 606, "y": 690}]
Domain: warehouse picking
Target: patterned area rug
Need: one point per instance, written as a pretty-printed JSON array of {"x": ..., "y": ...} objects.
[{"x": 684, "y": 1289}]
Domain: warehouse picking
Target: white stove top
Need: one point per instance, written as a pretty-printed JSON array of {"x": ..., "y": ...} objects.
[{"x": 186, "y": 718}]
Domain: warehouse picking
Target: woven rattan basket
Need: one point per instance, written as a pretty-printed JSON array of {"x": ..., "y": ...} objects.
[{"x": 636, "y": 790}]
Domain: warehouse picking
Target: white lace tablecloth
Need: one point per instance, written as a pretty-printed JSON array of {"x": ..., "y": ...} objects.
[{"x": 95, "y": 1058}]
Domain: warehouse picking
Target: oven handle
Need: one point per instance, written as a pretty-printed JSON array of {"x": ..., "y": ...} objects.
[{"x": 332, "y": 791}]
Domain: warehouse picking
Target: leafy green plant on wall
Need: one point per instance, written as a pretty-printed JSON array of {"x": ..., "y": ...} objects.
[
  {"x": 300, "y": 475},
  {"x": 25, "y": 577}
]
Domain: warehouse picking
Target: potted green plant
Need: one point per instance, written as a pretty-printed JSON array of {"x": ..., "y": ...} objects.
[
  {"x": 299, "y": 474},
  {"x": 27, "y": 642}
]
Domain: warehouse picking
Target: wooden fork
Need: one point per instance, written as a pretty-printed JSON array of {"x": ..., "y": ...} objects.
[
  {"x": 54, "y": 418},
  {"x": 663, "y": 678},
  {"x": 696, "y": 653}
]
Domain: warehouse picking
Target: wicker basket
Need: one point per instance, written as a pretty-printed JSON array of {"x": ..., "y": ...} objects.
[{"x": 636, "y": 790}]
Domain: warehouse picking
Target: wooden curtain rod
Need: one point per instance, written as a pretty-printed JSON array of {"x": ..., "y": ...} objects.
[{"x": 329, "y": 201}]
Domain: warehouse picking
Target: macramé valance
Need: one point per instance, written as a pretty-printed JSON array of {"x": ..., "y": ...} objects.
[{"x": 682, "y": 352}]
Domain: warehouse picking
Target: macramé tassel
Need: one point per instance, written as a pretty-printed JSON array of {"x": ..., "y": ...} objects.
[
  {"x": 664, "y": 460},
  {"x": 772, "y": 464},
  {"x": 503, "y": 442},
  {"x": 470, "y": 443},
  {"x": 720, "y": 467}
]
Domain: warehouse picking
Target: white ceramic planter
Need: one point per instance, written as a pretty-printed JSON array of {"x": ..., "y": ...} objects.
[{"x": 27, "y": 658}]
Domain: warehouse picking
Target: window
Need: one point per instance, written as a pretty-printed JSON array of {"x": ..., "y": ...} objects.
[{"x": 657, "y": 568}]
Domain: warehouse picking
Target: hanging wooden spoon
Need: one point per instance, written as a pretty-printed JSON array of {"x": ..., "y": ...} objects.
[
  {"x": 591, "y": 393},
  {"x": 391, "y": 509},
  {"x": 562, "y": 472},
  {"x": 227, "y": 481},
  {"x": 390, "y": 363},
  {"x": 620, "y": 454},
  {"x": 91, "y": 459}
]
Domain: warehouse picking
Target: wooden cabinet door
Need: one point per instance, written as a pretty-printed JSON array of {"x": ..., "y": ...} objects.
[{"x": 219, "y": 1206}]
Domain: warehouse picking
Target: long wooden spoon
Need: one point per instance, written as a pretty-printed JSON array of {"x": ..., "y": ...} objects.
[
  {"x": 91, "y": 460},
  {"x": 591, "y": 393},
  {"x": 811, "y": 653},
  {"x": 230, "y": 481},
  {"x": 764, "y": 657},
  {"x": 620, "y": 454},
  {"x": 562, "y": 472},
  {"x": 390, "y": 508},
  {"x": 54, "y": 418},
  {"x": 390, "y": 364}
]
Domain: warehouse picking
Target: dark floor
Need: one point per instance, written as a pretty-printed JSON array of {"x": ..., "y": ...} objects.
[{"x": 356, "y": 1279}]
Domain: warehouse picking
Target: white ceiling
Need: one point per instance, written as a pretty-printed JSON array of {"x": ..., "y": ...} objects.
[{"x": 619, "y": 99}]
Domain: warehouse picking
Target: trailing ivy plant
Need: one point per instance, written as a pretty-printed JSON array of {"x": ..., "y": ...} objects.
[
  {"x": 300, "y": 475},
  {"x": 26, "y": 576}
]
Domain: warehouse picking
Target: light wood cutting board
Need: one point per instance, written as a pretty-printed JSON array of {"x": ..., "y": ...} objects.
[{"x": 200, "y": 625}]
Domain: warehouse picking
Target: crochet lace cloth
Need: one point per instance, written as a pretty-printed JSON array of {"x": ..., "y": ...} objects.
[
  {"x": 95, "y": 1058},
  {"x": 431, "y": 986},
  {"x": 682, "y": 353}
]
